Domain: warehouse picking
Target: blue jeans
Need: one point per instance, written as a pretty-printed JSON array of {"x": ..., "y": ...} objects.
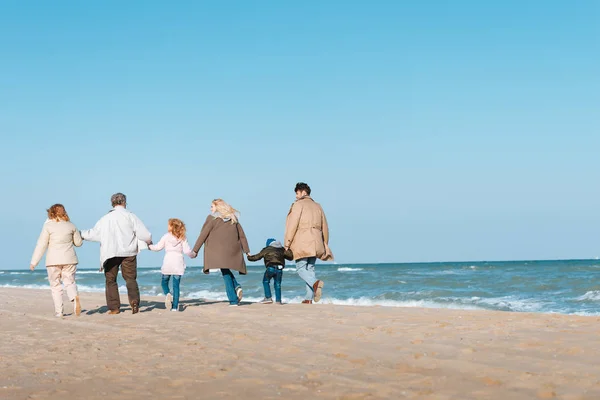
[
  {"x": 270, "y": 273},
  {"x": 165, "y": 288},
  {"x": 230, "y": 285},
  {"x": 305, "y": 267}
]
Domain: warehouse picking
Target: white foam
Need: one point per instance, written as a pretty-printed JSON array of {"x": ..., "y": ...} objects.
[
  {"x": 149, "y": 272},
  {"x": 512, "y": 303},
  {"x": 368, "y": 302},
  {"x": 82, "y": 288},
  {"x": 347, "y": 269},
  {"x": 592, "y": 295},
  {"x": 587, "y": 314},
  {"x": 8, "y": 285}
]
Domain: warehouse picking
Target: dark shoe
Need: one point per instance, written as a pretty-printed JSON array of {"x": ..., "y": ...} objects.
[
  {"x": 135, "y": 307},
  {"x": 318, "y": 289},
  {"x": 114, "y": 311},
  {"x": 306, "y": 301}
]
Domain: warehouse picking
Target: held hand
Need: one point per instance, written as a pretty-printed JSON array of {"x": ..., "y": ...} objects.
[{"x": 32, "y": 267}]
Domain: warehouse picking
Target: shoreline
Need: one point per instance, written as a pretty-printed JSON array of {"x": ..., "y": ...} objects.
[
  {"x": 295, "y": 351},
  {"x": 325, "y": 303}
]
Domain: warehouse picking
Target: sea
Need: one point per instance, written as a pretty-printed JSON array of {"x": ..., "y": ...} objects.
[{"x": 565, "y": 286}]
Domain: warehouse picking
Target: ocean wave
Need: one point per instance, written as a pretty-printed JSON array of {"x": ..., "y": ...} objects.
[
  {"x": 8, "y": 285},
  {"x": 369, "y": 302},
  {"x": 511, "y": 303},
  {"x": 82, "y": 288},
  {"x": 348, "y": 269},
  {"x": 592, "y": 295},
  {"x": 586, "y": 314},
  {"x": 149, "y": 272}
]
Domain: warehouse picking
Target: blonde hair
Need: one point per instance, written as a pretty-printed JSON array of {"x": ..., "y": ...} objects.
[
  {"x": 226, "y": 211},
  {"x": 177, "y": 228},
  {"x": 58, "y": 213}
]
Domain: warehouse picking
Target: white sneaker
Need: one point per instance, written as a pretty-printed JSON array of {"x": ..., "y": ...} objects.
[
  {"x": 169, "y": 301},
  {"x": 266, "y": 301},
  {"x": 239, "y": 292},
  {"x": 58, "y": 315},
  {"x": 233, "y": 305},
  {"x": 174, "y": 310}
]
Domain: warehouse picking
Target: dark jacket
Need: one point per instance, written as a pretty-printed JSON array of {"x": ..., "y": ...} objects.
[
  {"x": 273, "y": 254},
  {"x": 224, "y": 243}
]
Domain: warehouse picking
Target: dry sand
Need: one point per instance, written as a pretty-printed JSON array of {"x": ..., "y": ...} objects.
[{"x": 255, "y": 351}]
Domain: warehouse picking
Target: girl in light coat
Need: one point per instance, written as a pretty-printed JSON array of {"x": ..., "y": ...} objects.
[
  {"x": 175, "y": 245},
  {"x": 58, "y": 237}
]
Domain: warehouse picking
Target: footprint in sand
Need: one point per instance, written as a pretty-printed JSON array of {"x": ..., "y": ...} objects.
[
  {"x": 546, "y": 394},
  {"x": 491, "y": 382}
]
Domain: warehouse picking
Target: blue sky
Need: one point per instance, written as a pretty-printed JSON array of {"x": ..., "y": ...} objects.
[{"x": 429, "y": 131}]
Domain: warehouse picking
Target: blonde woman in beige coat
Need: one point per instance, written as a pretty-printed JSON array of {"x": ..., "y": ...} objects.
[{"x": 57, "y": 239}]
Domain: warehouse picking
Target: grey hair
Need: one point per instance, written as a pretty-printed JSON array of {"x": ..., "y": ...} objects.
[{"x": 118, "y": 199}]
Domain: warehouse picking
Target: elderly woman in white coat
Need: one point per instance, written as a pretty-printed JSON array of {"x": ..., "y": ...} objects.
[
  {"x": 57, "y": 239},
  {"x": 175, "y": 245}
]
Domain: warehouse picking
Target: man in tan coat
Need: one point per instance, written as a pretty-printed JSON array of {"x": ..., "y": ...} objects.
[{"x": 307, "y": 235}]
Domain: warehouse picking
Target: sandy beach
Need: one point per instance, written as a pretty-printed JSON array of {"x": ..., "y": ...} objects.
[{"x": 292, "y": 351}]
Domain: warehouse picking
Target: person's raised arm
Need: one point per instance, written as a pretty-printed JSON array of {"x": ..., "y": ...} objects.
[
  {"x": 243, "y": 240},
  {"x": 291, "y": 224},
  {"x": 92, "y": 235},
  {"x": 40, "y": 248},
  {"x": 257, "y": 257},
  {"x": 187, "y": 250},
  {"x": 158, "y": 246},
  {"x": 288, "y": 255},
  {"x": 77, "y": 239},
  {"x": 206, "y": 228},
  {"x": 141, "y": 232},
  {"x": 324, "y": 227}
]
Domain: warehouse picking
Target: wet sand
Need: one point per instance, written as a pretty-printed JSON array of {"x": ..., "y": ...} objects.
[{"x": 255, "y": 351}]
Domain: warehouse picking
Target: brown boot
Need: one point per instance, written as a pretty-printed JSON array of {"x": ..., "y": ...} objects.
[
  {"x": 306, "y": 301},
  {"x": 318, "y": 289},
  {"x": 135, "y": 307},
  {"x": 114, "y": 311},
  {"x": 76, "y": 306}
]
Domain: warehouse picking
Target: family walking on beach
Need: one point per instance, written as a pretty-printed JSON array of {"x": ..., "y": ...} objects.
[{"x": 122, "y": 235}]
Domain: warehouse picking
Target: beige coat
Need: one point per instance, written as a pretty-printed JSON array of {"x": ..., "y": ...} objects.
[
  {"x": 58, "y": 238},
  {"x": 225, "y": 245},
  {"x": 306, "y": 230}
]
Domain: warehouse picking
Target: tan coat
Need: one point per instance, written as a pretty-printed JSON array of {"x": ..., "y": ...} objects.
[
  {"x": 225, "y": 245},
  {"x": 306, "y": 230},
  {"x": 58, "y": 238}
]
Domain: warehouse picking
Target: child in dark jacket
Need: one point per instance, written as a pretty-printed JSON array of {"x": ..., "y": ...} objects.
[{"x": 275, "y": 256}]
